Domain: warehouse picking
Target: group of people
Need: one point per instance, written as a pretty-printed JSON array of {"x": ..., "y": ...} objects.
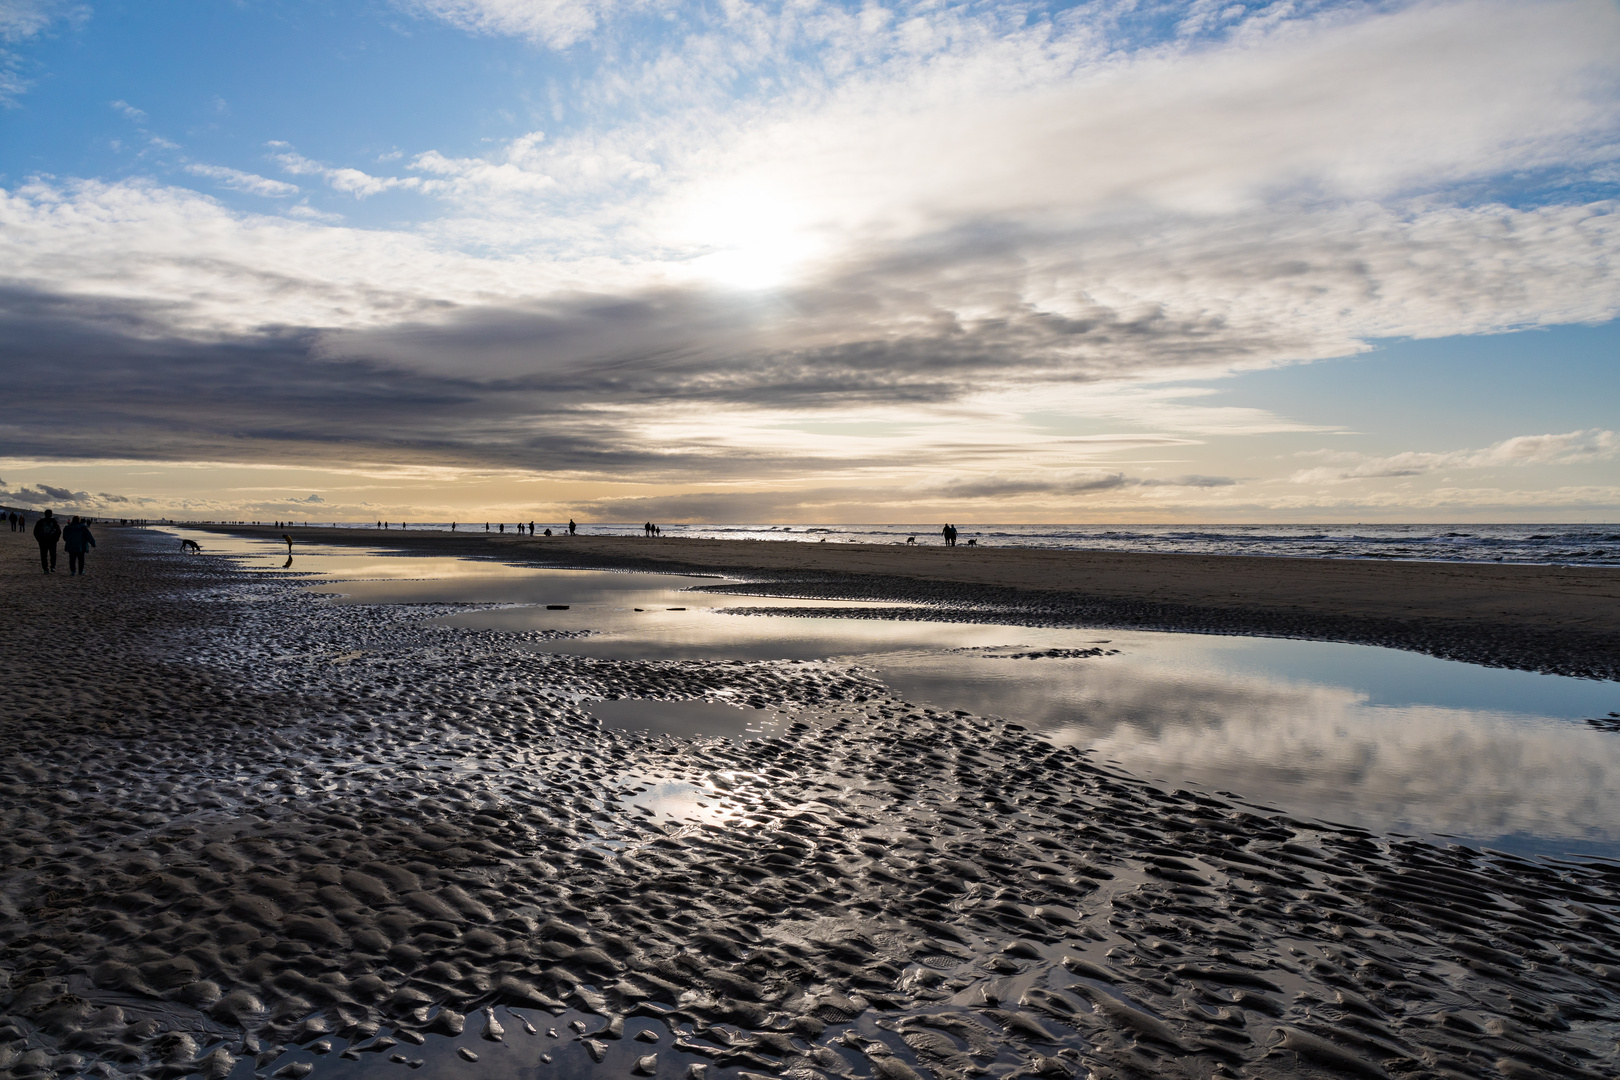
[
  {"x": 949, "y": 533},
  {"x": 48, "y": 532},
  {"x": 652, "y": 530},
  {"x": 488, "y": 526},
  {"x": 573, "y": 528}
]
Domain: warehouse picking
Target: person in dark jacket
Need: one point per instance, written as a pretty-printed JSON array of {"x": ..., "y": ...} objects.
[
  {"x": 77, "y": 540},
  {"x": 47, "y": 531}
]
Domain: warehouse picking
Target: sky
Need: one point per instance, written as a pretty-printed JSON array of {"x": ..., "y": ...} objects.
[{"x": 811, "y": 260}]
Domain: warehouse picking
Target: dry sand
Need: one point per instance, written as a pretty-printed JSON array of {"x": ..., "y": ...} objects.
[
  {"x": 1559, "y": 619},
  {"x": 245, "y": 830}
]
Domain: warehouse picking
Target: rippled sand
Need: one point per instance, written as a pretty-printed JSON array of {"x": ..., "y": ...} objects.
[{"x": 243, "y": 828}]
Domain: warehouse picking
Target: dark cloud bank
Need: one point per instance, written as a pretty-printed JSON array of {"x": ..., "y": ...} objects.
[{"x": 560, "y": 387}]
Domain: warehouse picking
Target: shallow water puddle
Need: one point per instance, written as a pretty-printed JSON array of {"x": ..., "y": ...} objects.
[
  {"x": 1384, "y": 740},
  {"x": 1389, "y": 741},
  {"x": 681, "y": 801},
  {"x": 1381, "y": 739}
]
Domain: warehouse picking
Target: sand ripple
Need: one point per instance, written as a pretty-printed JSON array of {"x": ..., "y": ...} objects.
[{"x": 248, "y": 829}]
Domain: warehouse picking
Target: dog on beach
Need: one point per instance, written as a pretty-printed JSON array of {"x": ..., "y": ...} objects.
[
  {"x": 911, "y": 539},
  {"x": 190, "y": 545},
  {"x": 973, "y": 543}
]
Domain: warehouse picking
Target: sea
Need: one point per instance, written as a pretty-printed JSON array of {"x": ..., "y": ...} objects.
[{"x": 1572, "y": 545}]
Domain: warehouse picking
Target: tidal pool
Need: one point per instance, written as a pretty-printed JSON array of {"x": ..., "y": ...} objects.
[{"x": 1389, "y": 741}]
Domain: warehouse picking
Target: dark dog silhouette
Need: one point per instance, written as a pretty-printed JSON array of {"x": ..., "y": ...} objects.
[
  {"x": 973, "y": 543},
  {"x": 190, "y": 545},
  {"x": 911, "y": 539}
]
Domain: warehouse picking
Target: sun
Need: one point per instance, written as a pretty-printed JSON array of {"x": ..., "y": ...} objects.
[{"x": 747, "y": 236}]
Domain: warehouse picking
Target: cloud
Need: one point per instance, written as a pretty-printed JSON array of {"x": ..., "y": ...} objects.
[
  {"x": 21, "y": 21},
  {"x": 45, "y": 495},
  {"x": 1065, "y": 483},
  {"x": 1191, "y": 482},
  {"x": 351, "y": 181},
  {"x": 250, "y": 183},
  {"x": 937, "y": 217},
  {"x": 1569, "y": 448},
  {"x": 1003, "y": 486},
  {"x": 128, "y": 110},
  {"x": 557, "y": 23}
]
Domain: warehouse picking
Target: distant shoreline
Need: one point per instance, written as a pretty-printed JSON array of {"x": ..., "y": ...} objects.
[
  {"x": 1526, "y": 543},
  {"x": 1555, "y": 619}
]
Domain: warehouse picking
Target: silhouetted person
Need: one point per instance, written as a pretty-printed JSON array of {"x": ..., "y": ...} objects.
[
  {"x": 287, "y": 538},
  {"x": 47, "y": 531},
  {"x": 572, "y": 528},
  {"x": 486, "y": 526},
  {"x": 77, "y": 542},
  {"x": 503, "y": 526},
  {"x": 452, "y": 526}
]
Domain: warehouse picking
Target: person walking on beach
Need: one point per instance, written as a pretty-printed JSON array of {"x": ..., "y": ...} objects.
[
  {"x": 572, "y": 528},
  {"x": 76, "y": 539},
  {"x": 287, "y": 538},
  {"x": 47, "y": 531}
]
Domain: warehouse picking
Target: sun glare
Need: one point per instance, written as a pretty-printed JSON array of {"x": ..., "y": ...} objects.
[{"x": 749, "y": 236}]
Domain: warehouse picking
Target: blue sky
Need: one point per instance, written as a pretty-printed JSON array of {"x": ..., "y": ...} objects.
[{"x": 812, "y": 261}]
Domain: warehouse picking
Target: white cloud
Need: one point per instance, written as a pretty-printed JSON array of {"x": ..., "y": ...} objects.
[
  {"x": 129, "y": 111},
  {"x": 24, "y": 19},
  {"x": 557, "y": 23},
  {"x": 947, "y": 218},
  {"x": 305, "y": 212},
  {"x": 21, "y": 21},
  {"x": 353, "y": 181},
  {"x": 1569, "y": 448},
  {"x": 250, "y": 183}
]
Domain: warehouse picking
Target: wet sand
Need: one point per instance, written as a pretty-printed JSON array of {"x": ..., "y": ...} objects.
[
  {"x": 1557, "y": 619},
  {"x": 248, "y": 831}
]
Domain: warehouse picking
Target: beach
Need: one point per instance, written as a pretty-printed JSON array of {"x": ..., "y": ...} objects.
[
  {"x": 250, "y": 831},
  {"x": 1563, "y": 619}
]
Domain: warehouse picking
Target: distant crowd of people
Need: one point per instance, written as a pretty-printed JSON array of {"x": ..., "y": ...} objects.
[{"x": 76, "y": 539}]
